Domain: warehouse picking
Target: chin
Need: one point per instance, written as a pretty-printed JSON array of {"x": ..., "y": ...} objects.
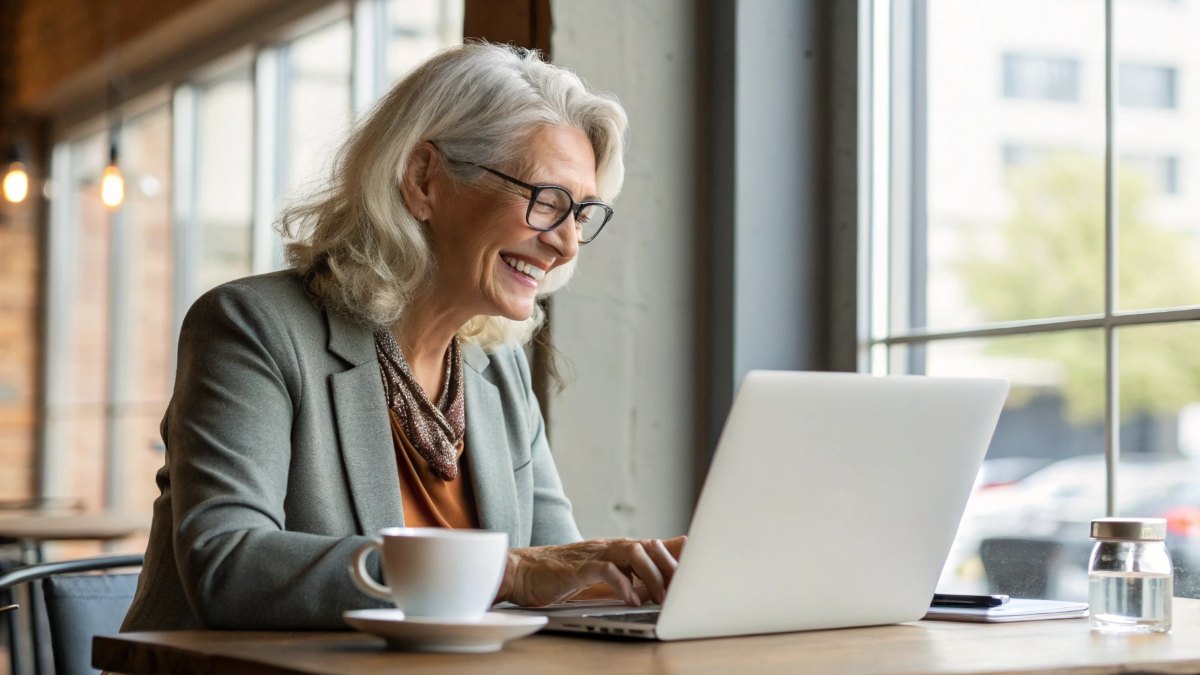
[{"x": 518, "y": 316}]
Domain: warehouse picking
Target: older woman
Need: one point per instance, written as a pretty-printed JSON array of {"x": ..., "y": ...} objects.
[{"x": 382, "y": 381}]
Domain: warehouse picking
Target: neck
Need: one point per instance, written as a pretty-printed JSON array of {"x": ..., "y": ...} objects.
[{"x": 424, "y": 335}]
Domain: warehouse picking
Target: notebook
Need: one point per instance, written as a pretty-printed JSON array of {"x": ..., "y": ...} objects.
[
  {"x": 1017, "y": 609},
  {"x": 831, "y": 501}
]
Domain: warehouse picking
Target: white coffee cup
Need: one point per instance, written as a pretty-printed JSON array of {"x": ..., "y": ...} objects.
[{"x": 434, "y": 572}]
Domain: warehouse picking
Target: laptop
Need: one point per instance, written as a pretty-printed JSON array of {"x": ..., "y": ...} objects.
[{"x": 832, "y": 501}]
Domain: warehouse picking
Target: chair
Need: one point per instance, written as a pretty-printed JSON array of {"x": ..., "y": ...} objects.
[{"x": 78, "y": 606}]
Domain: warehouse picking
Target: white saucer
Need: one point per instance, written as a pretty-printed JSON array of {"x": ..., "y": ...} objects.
[{"x": 487, "y": 634}]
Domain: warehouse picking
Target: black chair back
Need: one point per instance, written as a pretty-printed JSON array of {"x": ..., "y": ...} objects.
[
  {"x": 80, "y": 607},
  {"x": 77, "y": 607}
]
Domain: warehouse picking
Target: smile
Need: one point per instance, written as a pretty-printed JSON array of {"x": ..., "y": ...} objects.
[{"x": 535, "y": 273}]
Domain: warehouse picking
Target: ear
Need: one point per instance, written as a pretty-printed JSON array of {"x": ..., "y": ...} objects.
[{"x": 417, "y": 184}]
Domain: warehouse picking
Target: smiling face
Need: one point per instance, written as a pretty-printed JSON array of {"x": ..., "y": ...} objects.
[{"x": 489, "y": 261}]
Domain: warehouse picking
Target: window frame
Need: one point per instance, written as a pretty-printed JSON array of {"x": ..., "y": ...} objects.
[{"x": 882, "y": 100}]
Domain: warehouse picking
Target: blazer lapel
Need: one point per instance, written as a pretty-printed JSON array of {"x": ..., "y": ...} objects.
[
  {"x": 363, "y": 428},
  {"x": 488, "y": 455}
]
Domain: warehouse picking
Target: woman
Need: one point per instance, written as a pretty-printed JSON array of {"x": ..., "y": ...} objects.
[{"x": 381, "y": 380}]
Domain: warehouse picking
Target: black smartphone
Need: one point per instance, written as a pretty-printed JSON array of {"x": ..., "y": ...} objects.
[{"x": 960, "y": 600}]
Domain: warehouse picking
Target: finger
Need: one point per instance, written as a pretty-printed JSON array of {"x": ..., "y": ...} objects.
[
  {"x": 610, "y": 574},
  {"x": 675, "y": 545},
  {"x": 662, "y": 558},
  {"x": 642, "y": 566}
]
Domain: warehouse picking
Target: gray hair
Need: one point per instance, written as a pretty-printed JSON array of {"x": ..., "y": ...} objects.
[{"x": 357, "y": 244}]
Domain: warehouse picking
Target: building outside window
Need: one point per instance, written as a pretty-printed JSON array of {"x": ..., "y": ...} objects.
[
  {"x": 987, "y": 241},
  {"x": 1148, "y": 86},
  {"x": 1159, "y": 172},
  {"x": 1049, "y": 78}
]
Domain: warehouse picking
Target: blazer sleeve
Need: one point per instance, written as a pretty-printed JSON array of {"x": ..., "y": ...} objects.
[
  {"x": 228, "y": 434},
  {"x": 553, "y": 522}
]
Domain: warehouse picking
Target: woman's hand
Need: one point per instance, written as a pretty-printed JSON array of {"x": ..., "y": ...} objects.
[{"x": 543, "y": 575}]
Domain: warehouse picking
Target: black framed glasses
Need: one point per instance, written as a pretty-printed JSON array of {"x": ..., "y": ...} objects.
[{"x": 549, "y": 206}]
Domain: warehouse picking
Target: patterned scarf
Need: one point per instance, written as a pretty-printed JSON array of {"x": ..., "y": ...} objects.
[{"x": 434, "y": 430}]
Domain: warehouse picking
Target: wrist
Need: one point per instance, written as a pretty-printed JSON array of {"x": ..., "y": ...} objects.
[{"x": 508, "y": 580}]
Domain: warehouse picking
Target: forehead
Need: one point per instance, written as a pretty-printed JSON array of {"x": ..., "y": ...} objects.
[{"x": 562, "y": 156}]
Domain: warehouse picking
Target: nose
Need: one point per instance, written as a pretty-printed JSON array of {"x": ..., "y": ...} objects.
[{"x": 563, "y": 238}]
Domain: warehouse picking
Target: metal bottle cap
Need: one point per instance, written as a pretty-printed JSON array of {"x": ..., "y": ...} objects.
[{"x": 1139, "y": 529}]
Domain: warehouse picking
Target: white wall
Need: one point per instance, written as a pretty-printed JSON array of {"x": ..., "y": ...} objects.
[{"x": 626, "y": 432}]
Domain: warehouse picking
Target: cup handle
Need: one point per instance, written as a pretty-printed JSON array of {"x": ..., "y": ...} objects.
[{"x": 361, "y": 578}]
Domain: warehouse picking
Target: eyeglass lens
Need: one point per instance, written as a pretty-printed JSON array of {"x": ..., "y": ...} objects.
[{"x": 552, "y": 205}]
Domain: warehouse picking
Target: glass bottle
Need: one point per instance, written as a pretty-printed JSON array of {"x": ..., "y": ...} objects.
[{"x": 1130, "y": 576}]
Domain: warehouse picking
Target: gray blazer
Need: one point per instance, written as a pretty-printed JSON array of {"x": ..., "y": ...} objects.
[{"x": 280, "y": 462}]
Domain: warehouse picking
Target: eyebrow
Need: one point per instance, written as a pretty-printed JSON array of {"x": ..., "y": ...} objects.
[
  {"x": 578, "y": 200},
  {"x": 527, "y": 169}
]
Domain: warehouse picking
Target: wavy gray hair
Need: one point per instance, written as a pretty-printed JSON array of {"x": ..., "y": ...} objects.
[{"x": 357, "y": 244}]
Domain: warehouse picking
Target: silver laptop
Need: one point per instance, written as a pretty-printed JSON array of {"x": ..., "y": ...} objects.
[{"x": 832, "y": 501}]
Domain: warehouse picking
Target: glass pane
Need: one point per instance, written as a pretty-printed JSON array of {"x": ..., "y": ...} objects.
[
  {"x": 1160, "y": 438},
  {"x": 1159, "y": 161},
  {"x": 1025, "y": 530},
  {"x": 224, "y": 177},
  {"x": 84, "y": 385},
  {"x": 144, "y": 363},
  {"x": 415, "y": 29},
  {"x": 318, "y": 109},
  {"x": 998, "y": 205}
]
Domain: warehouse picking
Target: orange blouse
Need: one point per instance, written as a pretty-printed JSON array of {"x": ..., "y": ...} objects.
[{"x": 429, "y": 501}]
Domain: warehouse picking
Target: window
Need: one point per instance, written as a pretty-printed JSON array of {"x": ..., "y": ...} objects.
[
  {"x": 1144, "y": 86},
  {"x": 1003, "y": 268},
  {"x": 1048, "y": 78},
  {"x": 222, "y": 174},
  {"x": 141, "y": 323},
  {"x": 414, "y": 30},
  {"x": 318, "y": 107}
]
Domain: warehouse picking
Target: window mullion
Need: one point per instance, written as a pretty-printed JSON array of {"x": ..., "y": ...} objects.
[{"x": 1112, "y": 435}]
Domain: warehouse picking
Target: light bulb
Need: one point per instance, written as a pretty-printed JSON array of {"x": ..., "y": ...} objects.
[
  {"x": 16, "y": 183},
  {"x": 112, "y": 186}
]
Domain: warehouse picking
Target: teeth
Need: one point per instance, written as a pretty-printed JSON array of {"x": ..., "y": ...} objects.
[{"x": 536, "y": 273}]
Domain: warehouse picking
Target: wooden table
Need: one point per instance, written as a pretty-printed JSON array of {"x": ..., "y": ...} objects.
[
  {"x": 33, "y": 526},
  {"x": 1062, "y": 646}
]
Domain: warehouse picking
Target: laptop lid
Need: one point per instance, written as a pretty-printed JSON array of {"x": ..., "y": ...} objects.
[{"x": 832, "y": 501}]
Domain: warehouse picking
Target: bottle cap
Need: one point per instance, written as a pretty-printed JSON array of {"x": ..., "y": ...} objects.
[{"x": 1139, "y": 529}]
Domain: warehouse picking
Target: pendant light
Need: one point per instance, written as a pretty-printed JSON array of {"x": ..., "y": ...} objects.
[
  {"x": 16, "y": 178},
  {"x": 112, "y": 181}
]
